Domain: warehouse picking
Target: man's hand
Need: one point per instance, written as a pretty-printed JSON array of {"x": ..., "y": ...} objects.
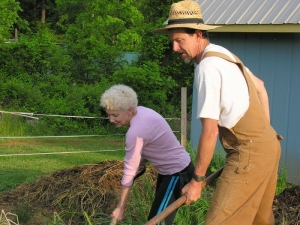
[{"x": 192, "y": 191}]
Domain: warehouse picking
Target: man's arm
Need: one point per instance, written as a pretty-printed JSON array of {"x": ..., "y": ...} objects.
[
  {"x": 206, "y": 147},
  {"x": 262, "y": 94}
]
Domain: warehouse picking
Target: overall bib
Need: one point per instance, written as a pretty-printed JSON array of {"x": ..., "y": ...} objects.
[{"x": 246, "y": 187}]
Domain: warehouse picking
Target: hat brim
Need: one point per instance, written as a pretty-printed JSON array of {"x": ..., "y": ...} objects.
[{"x": 166, "y": 30}]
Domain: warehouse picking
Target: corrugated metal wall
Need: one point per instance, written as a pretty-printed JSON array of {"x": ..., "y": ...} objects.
[{"x": 275, "y": 58}]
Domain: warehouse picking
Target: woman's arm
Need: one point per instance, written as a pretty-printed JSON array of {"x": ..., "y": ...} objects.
[{"x": 120, "y": 210}]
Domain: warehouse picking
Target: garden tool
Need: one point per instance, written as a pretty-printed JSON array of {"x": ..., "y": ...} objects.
[{"x": 180, "y": 201}]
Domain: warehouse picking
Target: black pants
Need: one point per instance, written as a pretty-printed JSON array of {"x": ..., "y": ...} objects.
[{"x": 168, "y": 190}]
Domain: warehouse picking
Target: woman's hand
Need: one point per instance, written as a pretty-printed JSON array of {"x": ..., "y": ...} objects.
[{"x": 118, "y": 213}]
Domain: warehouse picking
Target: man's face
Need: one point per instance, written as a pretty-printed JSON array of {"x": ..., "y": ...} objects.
[
  {"x": 118, "y": 117},
  {"x": 184, "y": 44}
]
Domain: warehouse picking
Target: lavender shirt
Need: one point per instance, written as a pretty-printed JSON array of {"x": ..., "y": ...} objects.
[{"x": 150, "y": 138}]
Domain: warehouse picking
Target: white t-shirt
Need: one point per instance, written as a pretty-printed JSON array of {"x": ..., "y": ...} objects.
[{"x": 222, "y": 89}]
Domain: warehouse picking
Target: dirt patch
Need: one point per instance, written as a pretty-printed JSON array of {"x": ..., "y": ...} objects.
[{"x": 286, "y": 207}]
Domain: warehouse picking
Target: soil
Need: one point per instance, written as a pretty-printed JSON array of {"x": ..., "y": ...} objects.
[
  {"x": 286, "y": 207},
  {"x": 96, "y": 188}
]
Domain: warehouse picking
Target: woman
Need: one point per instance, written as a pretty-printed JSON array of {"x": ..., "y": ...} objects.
[{"x": 149, "y": 138}]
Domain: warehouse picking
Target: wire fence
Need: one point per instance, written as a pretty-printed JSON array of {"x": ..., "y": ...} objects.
[{"x": 31, "y": 119}]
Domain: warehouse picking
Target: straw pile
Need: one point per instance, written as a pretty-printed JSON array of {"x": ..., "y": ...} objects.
[{"x": 88, "y": 188}]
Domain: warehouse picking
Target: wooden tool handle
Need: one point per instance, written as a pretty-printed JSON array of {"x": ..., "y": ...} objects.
[
  {"x": 212, "y": 177},
  {"x": 113, "y": 221},
  {"x": 180, "y": 201}
]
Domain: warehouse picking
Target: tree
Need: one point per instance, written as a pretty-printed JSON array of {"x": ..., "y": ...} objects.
[
  {"x": 115, "y": 22},
  {"x": 8, "y": 17},
  {"x": 34, "y": 57},
  {"x": 151, "y": 86},
  {"x": 37, "y": 12},
  {"x": 97, "y": 34},
  {"x": 158, "y": 48}
]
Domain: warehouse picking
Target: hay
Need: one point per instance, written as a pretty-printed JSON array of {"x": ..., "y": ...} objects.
[
  {"x": 6, "y": 218},
  {"x": 88, "y": 188}
]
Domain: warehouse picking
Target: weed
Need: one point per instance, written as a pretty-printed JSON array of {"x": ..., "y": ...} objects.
[
  {"x": 281, "y": 181},
  {"x": 24, "y": 212}
]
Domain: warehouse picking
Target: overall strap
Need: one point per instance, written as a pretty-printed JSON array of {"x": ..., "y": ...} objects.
[
  {"x": 252, "y": 94},
  {"x": 226, "y": 57},
  {"x": 254, "y": 107}
]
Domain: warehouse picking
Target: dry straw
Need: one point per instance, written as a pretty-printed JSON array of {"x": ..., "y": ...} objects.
[
  {"x": 89, "y": 188},
  {"x": 5, "y": 218}
]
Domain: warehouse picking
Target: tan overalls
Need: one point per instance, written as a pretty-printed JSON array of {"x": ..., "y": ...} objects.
[{"x": 246, "y": 188}]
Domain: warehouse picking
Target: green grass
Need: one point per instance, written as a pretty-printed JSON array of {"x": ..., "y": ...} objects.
[
  {"x": 24, "y": 160},
  {"x": 281, "y": 181}
]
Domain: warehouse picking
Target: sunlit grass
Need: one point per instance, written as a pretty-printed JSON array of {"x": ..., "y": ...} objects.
[{"x": 26, "y": 159}]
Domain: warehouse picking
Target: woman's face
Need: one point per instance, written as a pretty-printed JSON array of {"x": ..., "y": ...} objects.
[{"x": 119, "y": 117}]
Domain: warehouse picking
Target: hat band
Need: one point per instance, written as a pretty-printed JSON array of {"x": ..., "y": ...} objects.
[{"x": 188, "y": 20}]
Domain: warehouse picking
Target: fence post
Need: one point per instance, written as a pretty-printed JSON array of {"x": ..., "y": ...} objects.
[{"x": 183, "y": 116}]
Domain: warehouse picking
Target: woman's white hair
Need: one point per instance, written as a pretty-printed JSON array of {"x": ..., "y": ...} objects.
[{"x": 119, "y": 97}]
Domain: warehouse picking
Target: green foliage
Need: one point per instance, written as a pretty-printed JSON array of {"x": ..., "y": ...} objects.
[
  {"x": 33, "y": 57},
  {"x": 196, "y": 212},
  {"x": 57, "y": 220},
  {"x": 92, "y": 59},
  {"x": 87, "y": 218},
  {"x": 158, "y": 48},
  {"x": 12, "y": 125},
  {"x": 114, "y": 23},
  {"x": 63, "y": 66},
  {"x": 56, "y": 96},
  {"x": 99, "y": 35},
  {"x": 152, "y": 88},
  {"x": 24, "y": 212},
  {"x": 281, "y": 181},
  {"x": 32, "y": 13},
  {"x": 217, "y": 162},
  {"x": 139, "y": 205},
  {"x": 8, "y": 17}
]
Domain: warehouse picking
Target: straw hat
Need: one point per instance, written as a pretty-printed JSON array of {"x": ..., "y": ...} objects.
[{"x": 185, "y": 14}]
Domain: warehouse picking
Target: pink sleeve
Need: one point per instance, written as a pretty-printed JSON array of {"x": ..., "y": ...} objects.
[{"x": 134, "y": 146}]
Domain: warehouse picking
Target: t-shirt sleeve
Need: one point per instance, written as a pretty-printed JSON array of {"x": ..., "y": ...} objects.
[{"x": 208, "y": 84}]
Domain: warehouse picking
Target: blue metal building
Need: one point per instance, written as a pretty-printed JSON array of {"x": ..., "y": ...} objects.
[{"x": 265, "y": 35}]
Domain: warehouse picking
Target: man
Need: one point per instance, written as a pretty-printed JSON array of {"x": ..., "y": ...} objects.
[{"x": 232, "y": 103}]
